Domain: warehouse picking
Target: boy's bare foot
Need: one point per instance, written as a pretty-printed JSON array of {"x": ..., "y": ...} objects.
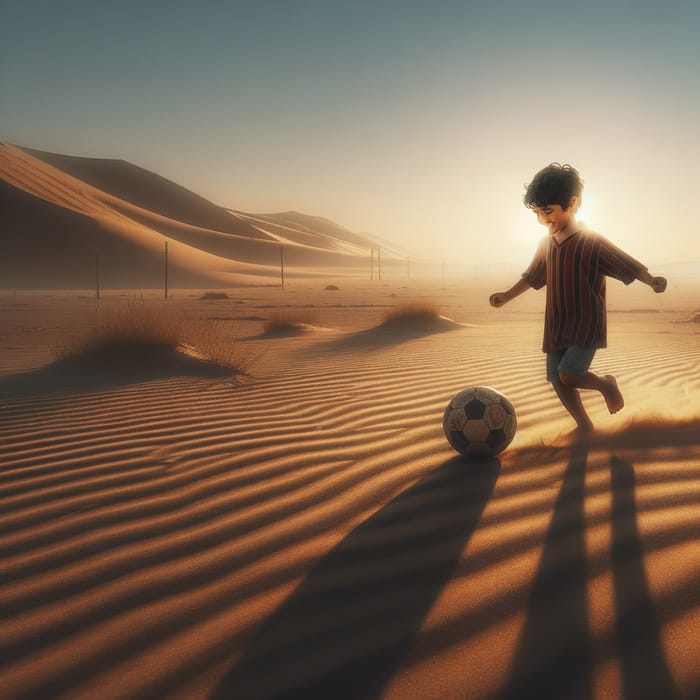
[{"x": 611, "y": 394}]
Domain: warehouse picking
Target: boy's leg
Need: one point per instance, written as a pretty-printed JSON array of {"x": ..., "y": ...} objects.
[
  {"x": 568, "y": 395},
  {"x": 573, "y": 372},
  {"x": 571, "y": 399},
  {"x": 606, "y": 385}
]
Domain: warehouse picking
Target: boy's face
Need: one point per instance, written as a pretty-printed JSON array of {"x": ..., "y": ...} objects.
[{"x": 554, "y": 217}]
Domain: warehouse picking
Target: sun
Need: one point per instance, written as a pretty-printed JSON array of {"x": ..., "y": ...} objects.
[{"x": 588, "y": 210}]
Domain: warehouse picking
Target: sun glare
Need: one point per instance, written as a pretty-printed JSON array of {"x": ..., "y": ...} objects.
[
  {"x": 525, "y": 234},
  {"x": 588, "y": 211}
]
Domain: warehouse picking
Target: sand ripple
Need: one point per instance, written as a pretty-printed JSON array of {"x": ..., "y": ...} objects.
[{"x": 311, "y": 534}]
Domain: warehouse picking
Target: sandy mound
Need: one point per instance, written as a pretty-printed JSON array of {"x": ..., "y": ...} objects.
[
  {"x": 400, "y": 325},
  {"x": 117, "y": 364},
  {"x": 287, "y": 323}
]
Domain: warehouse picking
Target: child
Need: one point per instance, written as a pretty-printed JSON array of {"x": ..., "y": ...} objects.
[{"x": 573, "y": 263}]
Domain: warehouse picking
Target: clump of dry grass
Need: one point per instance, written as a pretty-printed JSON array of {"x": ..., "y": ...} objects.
[
  {"x": 139, "y": 333},
  {"x": 411, "y": 312},
  {"x": 214, "y": 296},
  {"x": 290, "y": 322}
]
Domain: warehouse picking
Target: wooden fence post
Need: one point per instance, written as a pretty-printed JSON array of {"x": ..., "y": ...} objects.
[{"x": 282, "y": 265}]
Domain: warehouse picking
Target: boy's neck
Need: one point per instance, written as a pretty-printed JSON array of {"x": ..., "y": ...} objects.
[{"x": 569, "y": 230}]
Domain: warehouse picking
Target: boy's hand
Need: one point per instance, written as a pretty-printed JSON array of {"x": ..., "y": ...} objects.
[
  {"x": 658, "y": 284},
  {"x": 500, "y": 298}
]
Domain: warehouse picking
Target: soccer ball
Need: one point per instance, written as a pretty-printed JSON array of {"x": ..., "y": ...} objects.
[{"x": 479, "y": 422}]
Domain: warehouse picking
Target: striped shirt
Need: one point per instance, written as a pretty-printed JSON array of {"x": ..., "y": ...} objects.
[{"x": 574, "y": 272}]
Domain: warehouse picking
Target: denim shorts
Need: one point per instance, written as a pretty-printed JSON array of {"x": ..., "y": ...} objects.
[{"x": 573, "y": 360}]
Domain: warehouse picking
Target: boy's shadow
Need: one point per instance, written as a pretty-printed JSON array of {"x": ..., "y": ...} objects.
[
  {"x": 554, "y": 656},
  {"x": 645, "y": 673},
  {"x": 343, "y": 632}
]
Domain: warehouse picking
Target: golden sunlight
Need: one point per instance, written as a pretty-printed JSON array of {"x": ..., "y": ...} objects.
[{"x": 588, "y": 212}]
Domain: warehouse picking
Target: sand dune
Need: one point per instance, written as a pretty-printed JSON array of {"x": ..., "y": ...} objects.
[
  {"x": 309, "y": 532},
  {"x": 315, "y": 232},
  {"x": 147, "y": 190},
  {"x": 61, "y": 212}
]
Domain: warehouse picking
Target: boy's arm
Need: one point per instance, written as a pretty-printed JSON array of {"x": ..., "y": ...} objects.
[
  {"x": 500, "y": 298},
  {"x": 658, "y": 284}
]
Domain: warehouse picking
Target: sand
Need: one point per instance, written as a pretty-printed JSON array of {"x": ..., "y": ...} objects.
[{"x": 304, "y": 530}]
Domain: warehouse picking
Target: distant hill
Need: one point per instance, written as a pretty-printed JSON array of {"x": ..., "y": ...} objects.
[
  {"x": 148, "y": 191},
  {"x": 317, "y": 231},
  {"x": 60, "y": 213}
]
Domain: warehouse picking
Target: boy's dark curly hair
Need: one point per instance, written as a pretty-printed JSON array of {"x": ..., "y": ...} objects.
[{"x": 555, "y": 184}]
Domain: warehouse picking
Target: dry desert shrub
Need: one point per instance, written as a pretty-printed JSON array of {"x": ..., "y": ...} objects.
[
  {"x": 290, "y": 321},
  {"x": 139, "y": 332},
  {"x": 411, "y": 312}
]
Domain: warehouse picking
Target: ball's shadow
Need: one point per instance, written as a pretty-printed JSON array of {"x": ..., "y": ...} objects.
[{"x": 343, "y": 632}]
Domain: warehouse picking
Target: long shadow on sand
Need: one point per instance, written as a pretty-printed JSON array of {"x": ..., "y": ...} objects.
[
  {"x": 345, "y": 629},
  {"x": 554, "y": 657},
  {"x": 645, "y": 673}
]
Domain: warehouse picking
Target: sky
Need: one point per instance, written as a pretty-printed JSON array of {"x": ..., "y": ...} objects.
[{"x": 417, "y": 122}]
